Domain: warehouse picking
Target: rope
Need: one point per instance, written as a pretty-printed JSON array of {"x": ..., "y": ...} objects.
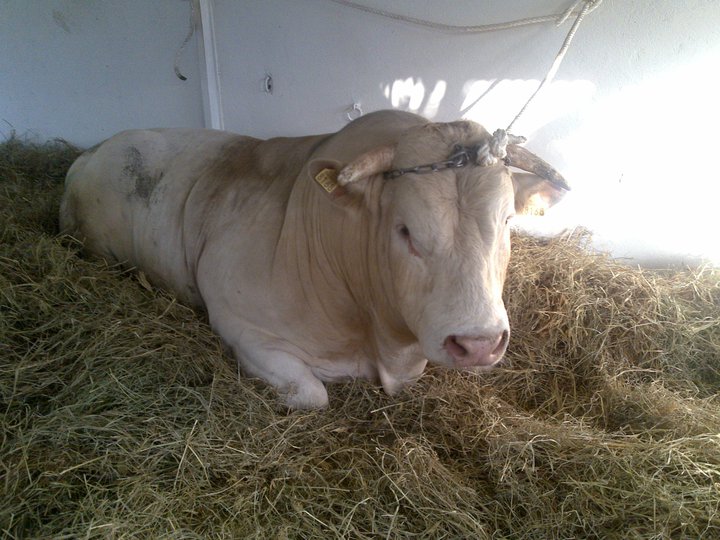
[
  {"x": 558, "y": 19},
  {"x": 191, "y": 31},
  {"x": 590, "y": 5}
]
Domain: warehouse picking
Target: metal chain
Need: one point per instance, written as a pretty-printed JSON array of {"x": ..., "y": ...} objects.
[
  {"x": 484, "y": 154},
  {"x": 461, "y": 156}
]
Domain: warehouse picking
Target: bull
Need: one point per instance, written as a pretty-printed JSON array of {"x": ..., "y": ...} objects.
[{"x": 364, "y": 253}]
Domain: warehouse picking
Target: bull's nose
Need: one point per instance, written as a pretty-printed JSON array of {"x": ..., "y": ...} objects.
[{"x": 477, "y": 350}]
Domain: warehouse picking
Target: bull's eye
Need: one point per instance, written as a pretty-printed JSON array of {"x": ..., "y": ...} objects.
[
  {"x": 404, "y": 233},
  {"x": 507, "y": 219}
]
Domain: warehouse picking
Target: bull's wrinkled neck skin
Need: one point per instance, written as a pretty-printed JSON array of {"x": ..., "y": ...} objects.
[
  {"x": 368, "y": 260},
  {"x": 344, "y": 249},
  {"x": 377, "y": 270}
]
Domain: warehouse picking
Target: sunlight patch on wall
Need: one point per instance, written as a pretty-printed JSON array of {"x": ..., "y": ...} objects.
[
  {"x": 644, "y": 157},
  {"x": 411, "y": 95},
  {"x": 638, "y": 158},
  {"x": 434, "y": 100},
  {"x": 495, "y": 103}
]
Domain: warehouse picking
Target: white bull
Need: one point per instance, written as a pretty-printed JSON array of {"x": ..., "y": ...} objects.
[{"x": 312, "y": 264}]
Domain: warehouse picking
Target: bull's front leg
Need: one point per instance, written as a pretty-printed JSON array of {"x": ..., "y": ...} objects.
[{"x": 274, "y": 361}]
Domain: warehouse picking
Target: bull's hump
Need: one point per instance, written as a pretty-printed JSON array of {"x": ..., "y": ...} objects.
[{"x": 285, "y": 156}]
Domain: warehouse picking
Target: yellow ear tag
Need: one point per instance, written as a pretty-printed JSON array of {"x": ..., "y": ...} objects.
[
  {"x": 327, "y": 178},
  {"x": 536, "y": 206}
]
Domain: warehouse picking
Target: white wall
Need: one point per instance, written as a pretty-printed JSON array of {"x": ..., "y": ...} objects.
[
  {"x": 630, "y": 118},
  {"x": 83, "y": 70}
]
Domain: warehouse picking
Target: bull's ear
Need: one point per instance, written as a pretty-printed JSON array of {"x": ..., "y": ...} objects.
[
  {"x": 534, "y": 195},
  {"x": 325, "y": 174}
]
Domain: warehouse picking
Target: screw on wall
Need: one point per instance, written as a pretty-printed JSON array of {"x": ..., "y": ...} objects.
[{"x": 268, "y": 84}]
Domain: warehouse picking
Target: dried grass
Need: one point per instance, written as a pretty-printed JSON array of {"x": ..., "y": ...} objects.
[{"x": 121, "y": 418}]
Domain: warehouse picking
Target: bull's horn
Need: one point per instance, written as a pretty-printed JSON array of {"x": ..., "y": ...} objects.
[
  {"x": 375, "y": 161},
  {"x": 522, "y": 158}
]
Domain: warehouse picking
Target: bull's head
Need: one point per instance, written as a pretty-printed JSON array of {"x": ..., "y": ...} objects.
[{"x": 447, "y": 233}]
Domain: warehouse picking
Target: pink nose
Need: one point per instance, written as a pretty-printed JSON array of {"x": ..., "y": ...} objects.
[{"x": 477, "y": 351}]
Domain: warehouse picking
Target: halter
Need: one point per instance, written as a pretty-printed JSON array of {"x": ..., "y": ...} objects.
[{"x": 483, "y": 154}]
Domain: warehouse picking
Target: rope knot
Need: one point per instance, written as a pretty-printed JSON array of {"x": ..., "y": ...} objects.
[
  {"x": 498, "y": 144},
  {"x": 496, "y": 148}
]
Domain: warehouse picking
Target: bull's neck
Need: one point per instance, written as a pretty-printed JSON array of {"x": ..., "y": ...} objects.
[{"x": 341, "y": 249}]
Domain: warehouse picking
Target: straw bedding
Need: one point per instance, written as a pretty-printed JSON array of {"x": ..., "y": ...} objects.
[{"x": 123, "y": 418}]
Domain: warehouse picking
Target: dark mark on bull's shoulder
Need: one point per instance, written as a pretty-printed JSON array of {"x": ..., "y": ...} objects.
[{"x": 135, "y": 170}]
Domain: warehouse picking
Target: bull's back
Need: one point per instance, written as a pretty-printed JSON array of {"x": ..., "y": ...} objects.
[{"x": 126, "y": 199}]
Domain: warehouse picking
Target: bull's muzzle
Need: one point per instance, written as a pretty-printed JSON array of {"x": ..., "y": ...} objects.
[{"x": 473, "y": 351}]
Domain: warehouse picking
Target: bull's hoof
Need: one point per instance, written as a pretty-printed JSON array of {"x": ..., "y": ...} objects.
[{"x": 305, "y": 396}]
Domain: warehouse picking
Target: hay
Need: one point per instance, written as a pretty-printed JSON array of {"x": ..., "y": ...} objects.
[{"x": 122, "y": 418}]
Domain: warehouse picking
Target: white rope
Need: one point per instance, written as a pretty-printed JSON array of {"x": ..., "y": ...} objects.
[
  {"x": 589, "y": 6},
  {"x": 557, "y": 18}
]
